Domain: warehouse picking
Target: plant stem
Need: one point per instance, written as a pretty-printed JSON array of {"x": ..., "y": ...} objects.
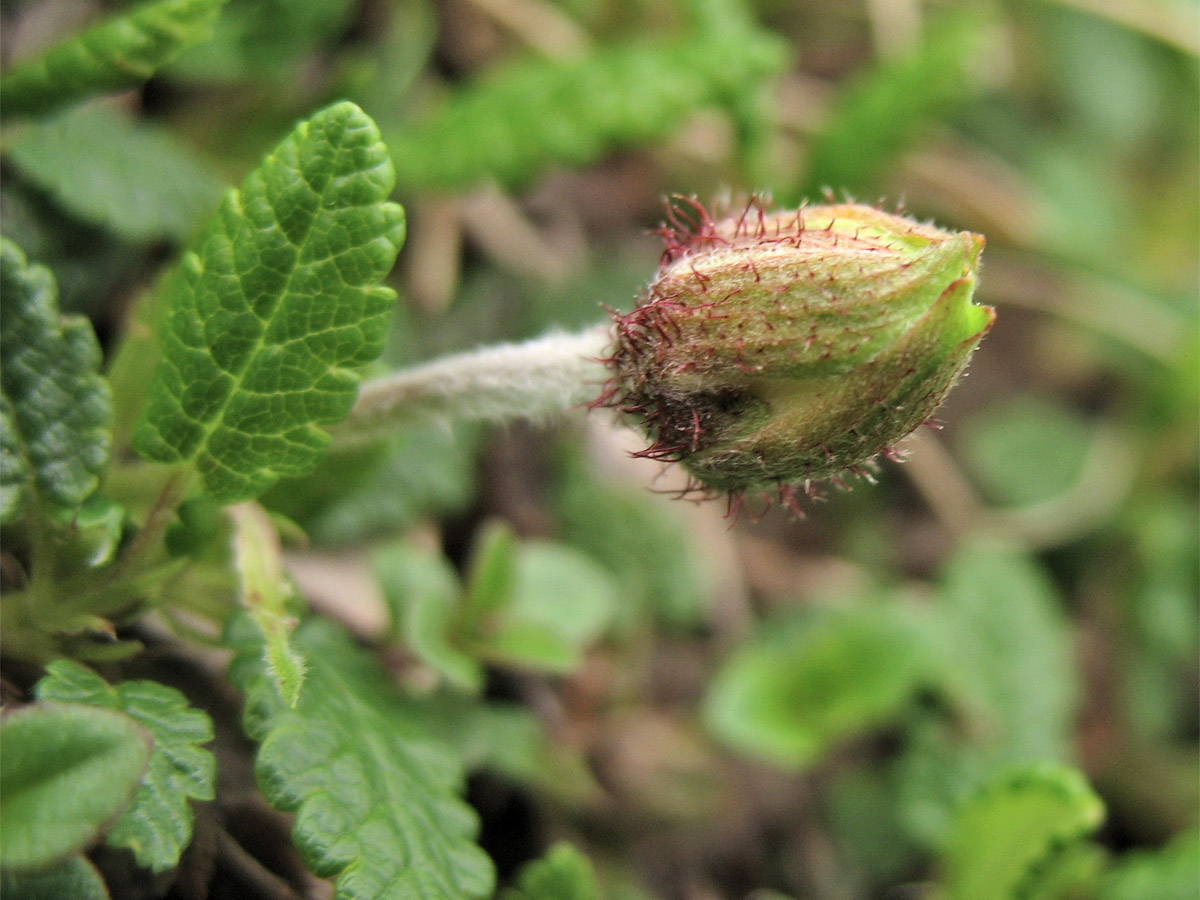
[{"x": 533, "y": 380}]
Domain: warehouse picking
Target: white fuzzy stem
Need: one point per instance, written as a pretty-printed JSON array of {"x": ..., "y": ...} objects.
[{"x": 533, "y": 380}]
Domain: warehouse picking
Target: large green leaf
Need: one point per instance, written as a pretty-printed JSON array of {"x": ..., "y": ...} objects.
[
  {"x": 157, "y": 826},
  {"x": 1004, "y": 839},
  {"x": 104, "y": 169},
  {"x": 56, "y": 406},
  {"x": 117, "y": 53},
  {"x": 65, "y": 772},
  {"x": 375, "y": 796},
  {"x": 275, "y": 307}
]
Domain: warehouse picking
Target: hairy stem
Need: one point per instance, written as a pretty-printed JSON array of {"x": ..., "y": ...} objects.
[{"x": 533, "y": 380}]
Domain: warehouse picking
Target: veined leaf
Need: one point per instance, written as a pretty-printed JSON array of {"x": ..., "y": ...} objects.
[
  {"x": 274, "y": 309},
  {"x": 56, "y": 439},
  {"x": 375, "y": 797},
  {"x": 75, "y": 877},
  {"x": 538, "y": 112},
  {"x": 65, "y": 772},
  {"x": 563, "y": 873},
  {"x": 157, "y": 826},
  {"x": 119, "y": 52},
  {"x": 104, "y": 169},
  {"x": 1005, "y": 835}
]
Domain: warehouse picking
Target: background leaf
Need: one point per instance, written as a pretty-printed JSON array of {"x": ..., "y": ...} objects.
[
  {"x": 157, "y": 826},
  {"x": 374, "y": 795},
  {"x": 57, "y": 404},
  {"x": 563, "y": 873},
  {"x": 118, "y": 53},
  {"x": 274, "y": 309},
  {"x": 65, "y": 772},
  {"x": 75, "y": 878}
]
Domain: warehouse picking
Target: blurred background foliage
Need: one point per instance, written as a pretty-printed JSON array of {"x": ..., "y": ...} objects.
[{"x": 707, "y": 709}]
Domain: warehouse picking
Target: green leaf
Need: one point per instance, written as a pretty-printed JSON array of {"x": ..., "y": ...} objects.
[
  {"x": 1006, "y": 835},
  {"x": 563, "y": 873},
  {"x": 75, "y": 878},
  {"x": 120, "y": 52},
  {"x": 274, "y": 308},
  {"x": 425, "y": 598},
  {"x": 265, "y": 594},
  {"x": 65, "y": 772},
  {"x": 1172, "y": 873},
  {"x": 492, "y": 581},
  {"x": 537, "y": 112},
  {"x": 881, "y": 111},
  {"x": 131, "y": 178},
  {"x": 56, "y": 403},
  {"x": 157, "y": 826},
  {"x": 375, "y": 797},
  {"x": 810, "y": 681}
]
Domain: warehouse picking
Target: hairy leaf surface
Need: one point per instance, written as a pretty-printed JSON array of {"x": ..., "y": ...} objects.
[
  {"x": 65, "y": 772},
  {"x": 117, "y": 53},
  {"x": 275, "y": 308},
  {"x": 375, "y": 797},
  {"x": 56, "y": 438},
  {"x": 157, "y": 826}
]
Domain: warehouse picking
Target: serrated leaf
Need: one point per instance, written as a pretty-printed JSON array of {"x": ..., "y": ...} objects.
[
  {"x": 563, "y": 873},
  {"x": 75, "y": 878},
  {"x": 65, "y": 772},
  {"x": 1004, "y": 835},
  {"x": 274, "y": 309},
  {"x": 57, "y": 404},
  {"x": 537, "y": 112},
  {"x": 375, "y": 797},
  {"x": 157, "y": 826},
  {"x": 808, "y": 682},
  {"x": 130, "y": 178},
  {"x": 118, "y": 53},
  {"x": 424, "y": 597}
]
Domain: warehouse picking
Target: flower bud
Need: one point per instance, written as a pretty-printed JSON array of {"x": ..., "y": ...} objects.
[{"x": 775, "y": 349}]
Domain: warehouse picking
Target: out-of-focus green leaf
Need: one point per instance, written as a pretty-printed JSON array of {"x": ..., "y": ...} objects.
[
  {"x": 563, "y": 873},
  {"x": 108, "y": 171},
  {"x": 879, "y": 113},
  {"x": 537, "y": 112},
  {"x": 1172, "y": 873},
  {"x": 492, "y": 580},
  {"x": 425, "y": 600},
  {"x": 375, "y": 796},
  {"x": 57, "y": 404},
  {"x": 75, "y": 878},
  {"x": 1025, "y": 449},
  {"x": 274, "y": 309},
  {"x": 117, "y": 53},
  {"x": 1006, "y": 835},
  {"x": 157, "y": 826},
  {"x": 65, "y": 772},
  {"x": 807, "y": 682}
]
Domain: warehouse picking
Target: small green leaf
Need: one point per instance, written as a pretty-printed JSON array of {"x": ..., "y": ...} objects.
[
  {"x": 808, "y": 682},
  {"x": 1172, "y": 873},
  {"x": 130, "y": 178},
  {"x": 425, "y": 599},
  {"x": 66, "y": 771},
  {"x": 157, "y": 826},
  {"x": 1004, "y": 837},
  {"x": 118, "y": 53},
  {"x": 375, "y": 797},
  {"x": 563, "y": 873},
  {"x": 274, "y": 309},
  {"x": 265, "y": 594},
  {"x": 75, "y": 878},
  {"x": 56, "y": 404},
  {"x": 490, "y": 585}
]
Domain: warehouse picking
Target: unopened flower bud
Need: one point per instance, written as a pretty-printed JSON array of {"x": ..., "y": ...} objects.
[{"x": 775, "y": 349}]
